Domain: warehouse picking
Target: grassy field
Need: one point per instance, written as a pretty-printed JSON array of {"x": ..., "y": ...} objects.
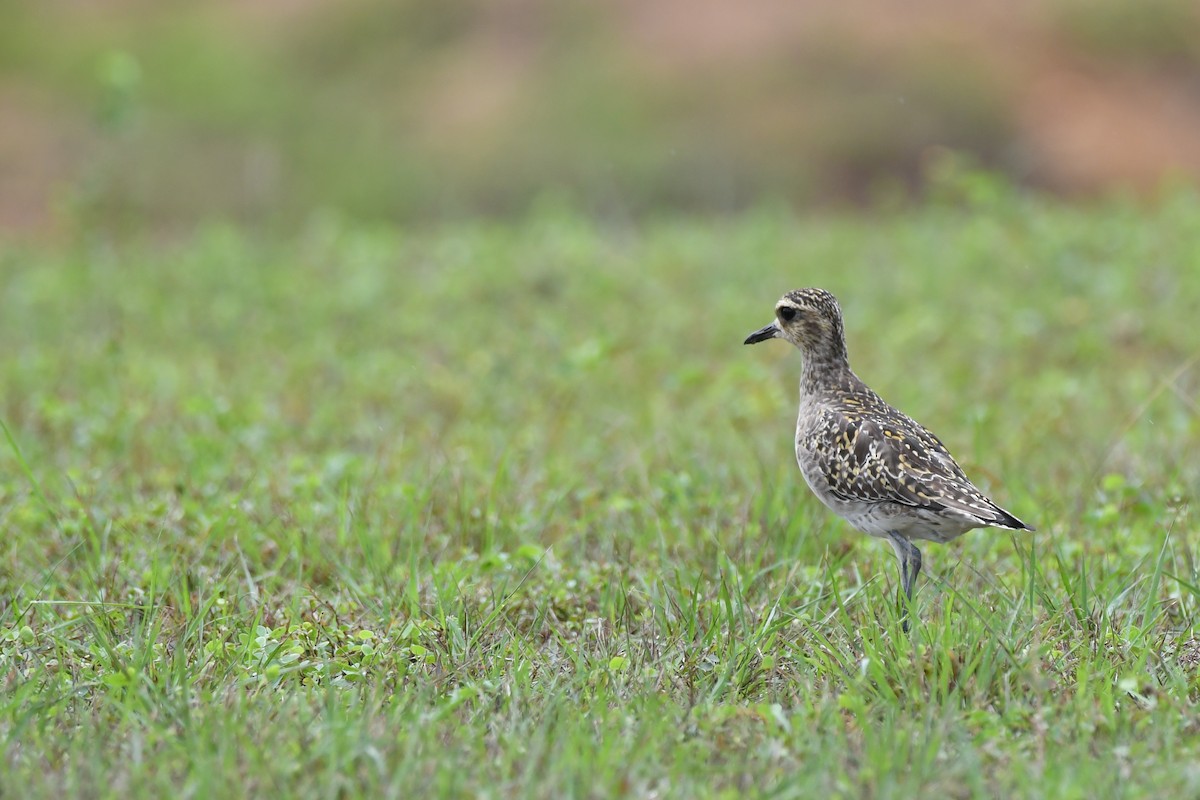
[{"x": 509, "y": 511}]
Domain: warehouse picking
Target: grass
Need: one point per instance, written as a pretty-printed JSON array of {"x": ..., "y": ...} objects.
[
  {"x": 509, "y": 511},
  {"x": 161, "y": 115}
]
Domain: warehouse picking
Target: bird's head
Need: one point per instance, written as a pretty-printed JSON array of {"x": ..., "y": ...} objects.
[{"x": 811, "y": 320}]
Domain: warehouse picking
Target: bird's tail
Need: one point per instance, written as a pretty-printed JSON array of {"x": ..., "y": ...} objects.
[{"x": 1003, "y": 519}]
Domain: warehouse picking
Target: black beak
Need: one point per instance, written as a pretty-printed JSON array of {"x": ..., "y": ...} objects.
[{"x": 762, "y": 334}]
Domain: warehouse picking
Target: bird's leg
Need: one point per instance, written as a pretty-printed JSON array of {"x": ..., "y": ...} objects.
[
  {"x": 914, "y": 569},
  {"x": 910, "y": 567}
]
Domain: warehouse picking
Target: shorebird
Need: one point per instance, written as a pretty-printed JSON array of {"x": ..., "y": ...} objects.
[{"x": 877, "y": 468}]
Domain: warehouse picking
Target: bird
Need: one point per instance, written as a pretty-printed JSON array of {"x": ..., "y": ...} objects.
[{"x": 879, "y": 469}]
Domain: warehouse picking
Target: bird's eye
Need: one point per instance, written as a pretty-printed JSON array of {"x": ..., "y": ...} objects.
[{"x": 787, "y": 313}]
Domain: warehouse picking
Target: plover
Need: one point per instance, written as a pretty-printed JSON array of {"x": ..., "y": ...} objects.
[{"x": 874, "y": 466}]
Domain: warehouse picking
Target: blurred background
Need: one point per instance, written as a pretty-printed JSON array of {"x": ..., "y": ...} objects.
[{"x": 119, "y": 113}]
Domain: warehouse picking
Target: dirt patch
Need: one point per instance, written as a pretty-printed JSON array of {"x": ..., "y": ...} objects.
[{"x": 41, "y": 153}]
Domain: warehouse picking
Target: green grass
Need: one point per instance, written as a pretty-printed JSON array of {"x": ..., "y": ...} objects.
[
  {"x": 436, "y": 111},
  {"x": 509, "y": 511}
]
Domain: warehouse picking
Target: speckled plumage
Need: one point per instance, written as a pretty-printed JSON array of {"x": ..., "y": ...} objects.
[{"x": 876, "y": 467}]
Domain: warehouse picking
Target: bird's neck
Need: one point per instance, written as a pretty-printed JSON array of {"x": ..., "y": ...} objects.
[{"x": 825, "y": 368}]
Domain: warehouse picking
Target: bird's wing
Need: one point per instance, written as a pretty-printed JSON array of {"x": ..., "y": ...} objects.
[{"x": 897, "y": 460}]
